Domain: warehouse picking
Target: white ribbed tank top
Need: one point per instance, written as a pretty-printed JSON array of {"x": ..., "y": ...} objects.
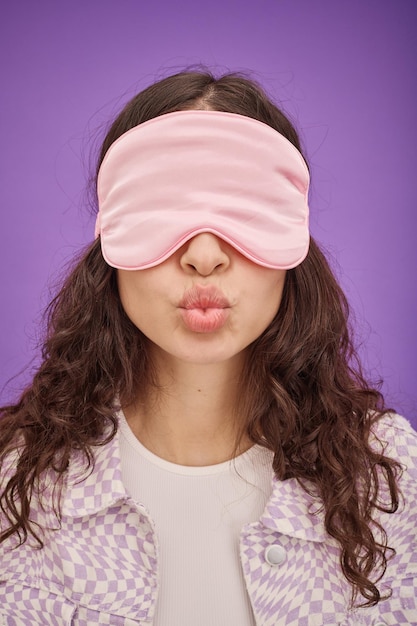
[{"x": 198, "y": 514}]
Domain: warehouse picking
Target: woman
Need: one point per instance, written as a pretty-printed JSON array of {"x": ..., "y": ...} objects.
[{"x": 199, "y": 445}]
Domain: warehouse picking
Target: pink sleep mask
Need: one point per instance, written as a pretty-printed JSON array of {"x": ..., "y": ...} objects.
[{"x": 191, "y": 172}]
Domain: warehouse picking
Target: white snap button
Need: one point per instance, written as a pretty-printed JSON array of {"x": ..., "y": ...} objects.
[
  {"x": 379, "y": 623},
  {"x": 275, "y": 555}
]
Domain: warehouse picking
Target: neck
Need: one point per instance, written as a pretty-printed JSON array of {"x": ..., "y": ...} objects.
[{"x": 189, "y": 416}]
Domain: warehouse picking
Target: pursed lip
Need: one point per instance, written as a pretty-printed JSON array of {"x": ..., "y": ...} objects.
[{"x": 204, "y": 297}]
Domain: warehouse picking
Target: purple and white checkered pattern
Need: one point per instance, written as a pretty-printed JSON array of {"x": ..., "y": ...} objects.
[
  {"x": 101, "y": 565},
  {"x": 304, "y": 590}
]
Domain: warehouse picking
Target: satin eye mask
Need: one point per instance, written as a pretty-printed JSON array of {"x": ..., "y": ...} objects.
[{"x": 191, "y": 172}]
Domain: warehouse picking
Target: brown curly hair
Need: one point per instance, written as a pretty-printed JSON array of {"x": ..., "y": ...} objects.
[{"x": 307, "y": 400}]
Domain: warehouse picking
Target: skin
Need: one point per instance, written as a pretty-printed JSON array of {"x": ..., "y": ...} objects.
[{"x": 189, "y": 419}]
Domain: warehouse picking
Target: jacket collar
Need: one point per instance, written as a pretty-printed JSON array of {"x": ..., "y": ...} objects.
[
  {"x": 290, "y": 510},
  {"x": 91, "y": 491},
  {"x": 294, "y": 512}
]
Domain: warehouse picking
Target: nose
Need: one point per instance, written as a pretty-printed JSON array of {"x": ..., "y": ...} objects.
[{"x": 204, "y": 254}]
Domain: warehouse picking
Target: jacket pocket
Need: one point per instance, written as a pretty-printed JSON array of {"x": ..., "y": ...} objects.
[{"x": 21, "y": 605}]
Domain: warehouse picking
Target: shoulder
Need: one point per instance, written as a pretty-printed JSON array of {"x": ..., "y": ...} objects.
[
  {"x": 393, "y": 435},
  {"x": 395, "y": 438}
]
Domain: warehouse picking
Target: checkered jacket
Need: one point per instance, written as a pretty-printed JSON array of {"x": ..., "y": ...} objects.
[{"x": 101, "y": 565}]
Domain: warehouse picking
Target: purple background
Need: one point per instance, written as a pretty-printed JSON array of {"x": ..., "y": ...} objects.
[{"x": 344, "y": 70}]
